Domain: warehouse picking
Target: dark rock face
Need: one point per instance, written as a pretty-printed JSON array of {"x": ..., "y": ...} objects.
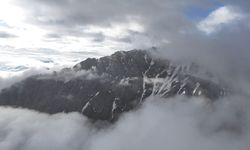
[{"x": 103, "y": 88}]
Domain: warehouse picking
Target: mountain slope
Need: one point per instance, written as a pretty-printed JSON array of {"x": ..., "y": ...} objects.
[{"x": 103, "y": 88}]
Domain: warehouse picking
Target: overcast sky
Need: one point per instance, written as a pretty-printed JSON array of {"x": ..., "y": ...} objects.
[
  {"x": 63, "y": 31},
  {"x": 51, "y": 33}
]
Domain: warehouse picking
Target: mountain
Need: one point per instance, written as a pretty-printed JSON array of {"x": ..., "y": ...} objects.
[{"x": 104, "y": 88}]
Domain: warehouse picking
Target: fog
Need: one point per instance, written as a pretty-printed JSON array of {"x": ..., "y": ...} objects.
[
  {"x": 178, "y": 124},
  {"x": 6, "y": 82}
]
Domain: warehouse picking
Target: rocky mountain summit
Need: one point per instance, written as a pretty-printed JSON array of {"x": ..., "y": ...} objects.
[{"x": 104, "y": 88}]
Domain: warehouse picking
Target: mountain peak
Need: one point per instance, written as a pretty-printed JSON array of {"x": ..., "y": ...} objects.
[{"x": 104, "y": 88}]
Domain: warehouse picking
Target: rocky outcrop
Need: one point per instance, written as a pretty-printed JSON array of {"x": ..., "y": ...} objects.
[{"x": 104, "y": 88}]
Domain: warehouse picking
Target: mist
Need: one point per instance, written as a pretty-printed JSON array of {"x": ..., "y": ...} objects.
[
  {"x": 177, "y": 123},
  {"x": 7, "y": 81}
]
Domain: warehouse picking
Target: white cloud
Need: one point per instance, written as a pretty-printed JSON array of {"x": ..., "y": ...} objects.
[
  {"x": 117, "y": 30},
  {"x": 10, "y": 13},
  {"x": 218, "y": 18},
  {"x": 7, "y": 78},
  {"x": 15, "y": 19},
  {"x": 176, "y": 124},
  {"x": 34, "y": 131}
]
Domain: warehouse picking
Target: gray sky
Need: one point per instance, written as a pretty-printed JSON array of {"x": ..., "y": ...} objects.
[
  {"x": 50, "y": 33},
  {"x": 95, "y": 28}
]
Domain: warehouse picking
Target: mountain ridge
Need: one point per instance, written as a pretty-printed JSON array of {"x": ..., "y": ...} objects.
[{"x": 104, "y": 88}]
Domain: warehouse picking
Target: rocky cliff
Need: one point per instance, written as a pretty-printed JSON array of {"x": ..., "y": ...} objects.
[{"x": 104, "y": 88}]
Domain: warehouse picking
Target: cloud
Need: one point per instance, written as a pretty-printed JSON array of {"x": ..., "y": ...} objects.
[
  {"x": 111, "y": 24},
  {"x": 7, "y": 35},
  {"x": 61, "y": 131},
  {"x": 16, "y": 60},
  {"x": 108, "y": 25},
  {"x": 4, "y": 24},
  {"x": 10, "y": 79},
  {"x": 113, "y": 19},
  {"x": 245, "y": 5},
  {"x": 224, "y": 54},
  {"x": 217, "y": 19},
  {"x": 177, "y": 124},
  {"x": 83, "y": 13},
  {"x": 68, "y": 74}
]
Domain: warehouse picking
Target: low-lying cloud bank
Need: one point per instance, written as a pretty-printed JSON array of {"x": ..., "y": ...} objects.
[
  {"x": 177, "y": 124},
  {"x": 6, "y": 82},
  {"x": 56, "y": 73}
]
